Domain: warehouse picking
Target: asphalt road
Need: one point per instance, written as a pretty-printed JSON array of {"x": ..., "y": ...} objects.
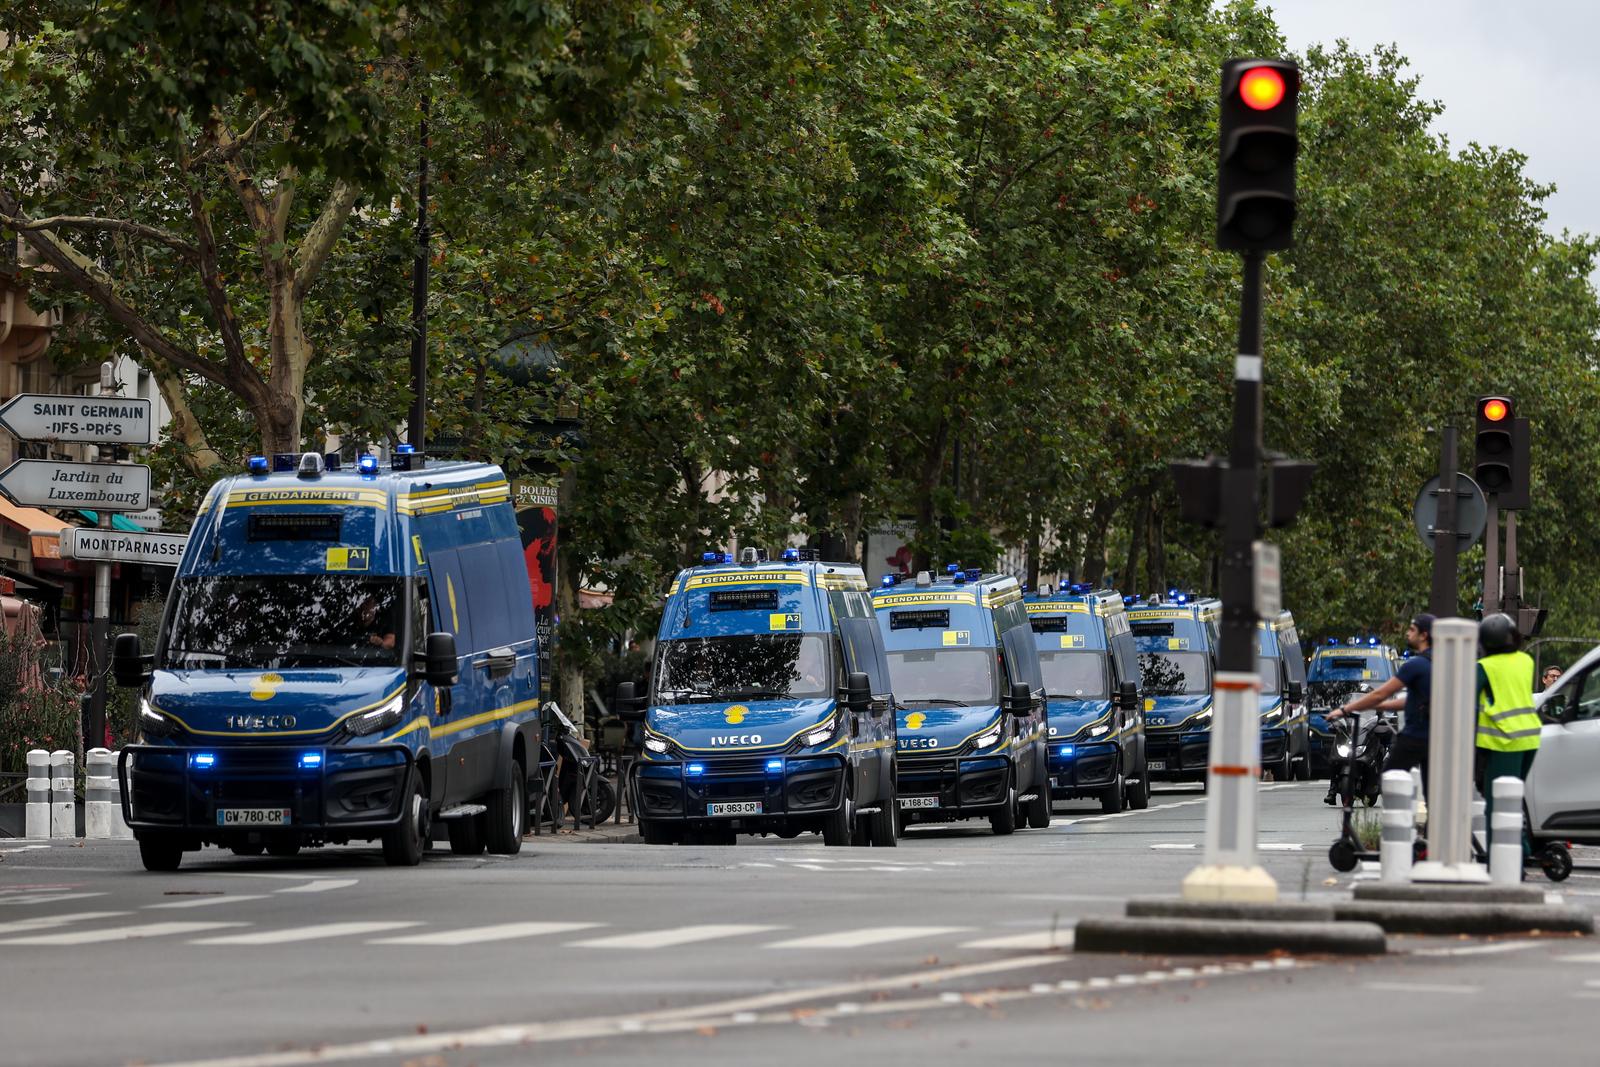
[{"x": 954, "y": 944}]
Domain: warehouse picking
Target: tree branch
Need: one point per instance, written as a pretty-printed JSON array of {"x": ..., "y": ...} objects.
[
  {"x": 225, "y": 150},
  {"x": 211, "y": 280},
  {"x": 90, "y": 222},
  {"x": 198, "y": 455},
  {"x": 319, "y": 240}
]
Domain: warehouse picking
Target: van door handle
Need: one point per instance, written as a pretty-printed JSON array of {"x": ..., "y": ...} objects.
[{"x": 500, "y": 662}]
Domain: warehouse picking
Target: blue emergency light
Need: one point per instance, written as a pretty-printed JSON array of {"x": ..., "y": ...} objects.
[
  {"x": 694, "y": 769},
  {"x": 1130, "y": 599},
  {"x": 774, "y": 766},
  {"x": 711, "y": 557},
  {"x": 310, "y": 760},
  {"x": 791, "y": 555},
  {"x": 952, "y": 568},
  {"x": 367, "y": 463},
  {"x": 1066, "y": 751},
  {"x": 258, "y": 465},
  {"x": 202, "y": 761},
  {"x": 404, "y": 450},
  {"x": 960, "y": 577},
  {"x": 974, "y": 573},
  {"x": 888, "y": 580},
  {"x": 1373, "y": 641}
]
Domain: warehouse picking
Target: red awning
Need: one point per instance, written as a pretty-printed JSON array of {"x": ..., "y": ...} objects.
[{"x": 30, "y": 519}]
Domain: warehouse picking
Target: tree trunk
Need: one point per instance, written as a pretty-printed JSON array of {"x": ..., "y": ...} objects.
[
  {"x": 1094, "y": 548},
  {"x": 1157, "y": 549},
  {"x": 1130, "y": 574},
  {"x": 198, "y": 455},
  {"x": 1033, "y": 551},
  {"x": 927, "y": 485}
]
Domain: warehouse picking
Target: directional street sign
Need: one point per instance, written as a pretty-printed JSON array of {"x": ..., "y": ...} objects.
[
  {"x": 96, "y": 419},
  {"x": 119, "y": 546},
  {"x": 47, "y": 483}
]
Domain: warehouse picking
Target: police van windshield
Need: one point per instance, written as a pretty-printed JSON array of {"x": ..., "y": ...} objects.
[
  {"x": 743, "y": 667},
  {"x": 1074, "y": 675},
  {"x": 1169, "y": 674},
  {"x": 1349, "y": 667},
  {"x": 259, "y": 622},
  {"x": 956, "y": 676}
]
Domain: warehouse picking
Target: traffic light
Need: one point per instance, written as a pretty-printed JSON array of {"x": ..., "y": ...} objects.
[
  {"x": 1491, "y": 465},
  {"x": 1257, "y": 146}
]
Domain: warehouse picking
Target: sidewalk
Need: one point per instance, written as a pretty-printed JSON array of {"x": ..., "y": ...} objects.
[{"x": 607, "y": 833}]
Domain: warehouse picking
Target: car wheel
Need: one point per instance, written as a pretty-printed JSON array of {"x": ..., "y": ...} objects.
[
  {"x": 883, "y": 824},
  {"x": 839, "y": 827},
  {"x": 1038, "y": 809},
  {"x": 402, "y": 845},
  {"x": 160, "y": 852},
  {"x": 1138, "y": 794},
  {"x": 508, "y": 807}
]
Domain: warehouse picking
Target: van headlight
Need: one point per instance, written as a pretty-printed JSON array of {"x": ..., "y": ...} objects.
[
  {"x": 386, "y": 715},
  {"x": 989, "y": 737},
  {"x": 1273, "y": 717},
  {"x": 1202, "y": 719},
  {"x": 823, "y": 732},
  {"x": 1098, "y": 730},
  {"x": 655, "y": 744},
  {"x": 153, "y": 723}
]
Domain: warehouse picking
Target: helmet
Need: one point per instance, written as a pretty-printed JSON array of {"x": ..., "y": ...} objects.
[{"x": 1497, "y": 633}]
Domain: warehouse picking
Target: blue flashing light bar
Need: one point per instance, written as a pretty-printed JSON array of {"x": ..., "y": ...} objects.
[
  {"x": 774, "y": 766},
  {"x": 258, "y": 465},
  {"x": 404, "y": 450},
  {"x": 711, "y": 557},
  {"x": 791, "y": 555},
  {"x": 1129, "y": 599},
  {"x": 974, "y": 573},
  {"x": 960, "y": 577},
  {"x": 694, "y": 769},
  {"x": 889, "y": 580},
  {"x": 367, "y": 463},
  {"x": 310, "y": 760},
  {"x": 202, "y": 761},
  {"x": 952, "y": 568}
]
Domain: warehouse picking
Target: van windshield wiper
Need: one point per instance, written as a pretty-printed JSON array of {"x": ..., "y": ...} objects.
[{"x": 946, "y": 701}]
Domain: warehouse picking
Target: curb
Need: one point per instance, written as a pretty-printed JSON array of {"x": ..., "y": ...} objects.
[
  {"x": 1429, "y": 917},
  {"x": 1292, "y": 911},
  {"x": 1213, "y": 937},
  {"x": 604, "y": 834},
  {"x": 1445, "y": 893}
]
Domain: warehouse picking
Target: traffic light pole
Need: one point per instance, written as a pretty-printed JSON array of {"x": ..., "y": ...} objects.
[
  {"x": 1445, "y": 599},
  {"x": 1230, "y": 870},
  {"x": 1491, "y": 556}
]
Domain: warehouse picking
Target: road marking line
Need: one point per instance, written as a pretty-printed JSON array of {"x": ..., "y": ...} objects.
[
  {"x": 1582, "y": 957},
  {"x": 117, "y": 933},
  {"x": 1036, "y": 940},
  {"x": 678, "y": 935},
  {"x": 45, "y": 922},
  {"x": 320, "y": 885},
  {"x": 473, "y": 935},
  {"x": 21, "y": 848},
  {"x": 1419, "y": 987},
  {"x": 206, "y": 902},
  {"x": 304, "y": 933},
  {"x": 1175, "y": 847},
  {"x": 1280, "y": 847},
  {"x": 871, "y": 935},
  {"x": 24, "y": 899},
  {"x": 1476, "y": 950}
]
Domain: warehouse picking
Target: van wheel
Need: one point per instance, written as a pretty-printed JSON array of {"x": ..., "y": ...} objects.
[
  {"x": 1039, "y": 807},
  {"x": 1004, "y": 821},
  {"x": 882, "y": 826},
  {"x": 466, "y": 835},
  {"x": 508, "y": 808},
  {"x": 1138, "y": 794},
  {"x": 838, "y": 827},
  {"x": 402, "y": 845},
  {"x": 160, "y": 852},
  {"x": 1111, "y": 796}
]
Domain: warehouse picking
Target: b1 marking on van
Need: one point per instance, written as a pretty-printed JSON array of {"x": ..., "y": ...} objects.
[
  {"x": 723, "y": 740},
  {"x": 958, "y": 637},
  {"x": 349, "y": 559},
  {"x": 783, "y": 621},
  {"x": 1177, "y": 644},
  {"x": 1071, "y": 640}
]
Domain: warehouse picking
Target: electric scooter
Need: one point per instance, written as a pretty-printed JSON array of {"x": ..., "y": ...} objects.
[{"x": 1364, "y": 750}]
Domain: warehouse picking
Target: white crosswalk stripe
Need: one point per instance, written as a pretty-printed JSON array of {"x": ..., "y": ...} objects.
[
  {"x": 316, "y": 932},
  {"x": 204, "y": 902},
  {"x": 23, "y": 899},
  {"x": 871, "y": 935},
  {"x": 677, "y": 935},
  {"x": 1036, "y": 939},
  {"x": 45, "y": 922},
  {"x": 117, "y": 933},
  {"x": 474, "y": 935}
]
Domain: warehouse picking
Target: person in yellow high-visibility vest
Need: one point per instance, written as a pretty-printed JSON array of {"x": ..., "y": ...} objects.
[{"x": 1508, "y": 727}]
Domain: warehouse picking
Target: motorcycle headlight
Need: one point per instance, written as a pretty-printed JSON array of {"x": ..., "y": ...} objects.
[
  {"x": 153, "y": 723},
  {"x": 1342, "y": 750},
  {"x": 655, "y": 744},
  {"x": 989, "y": 737},
  {"x": 379, "y": 718}
]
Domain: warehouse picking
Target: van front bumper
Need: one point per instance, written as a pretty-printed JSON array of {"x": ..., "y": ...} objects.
[
  {"x": 750, "y": 790},
  {"x": 939, "y": 789},
  {"x": 1078, "y": 769},
  {"x": 342, "y": 792},
  {"x": 1177, "y": 755}
]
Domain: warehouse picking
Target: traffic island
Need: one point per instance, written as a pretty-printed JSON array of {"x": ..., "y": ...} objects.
[
  {"x": 1228, "y": 911},
  {"x": 1445, "y": 893},
  {"x": 1433, "y": 917},
  {"x": 1227, "y": 937}
]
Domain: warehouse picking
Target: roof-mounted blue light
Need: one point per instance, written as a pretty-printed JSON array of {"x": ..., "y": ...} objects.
[
  {"x": 404, "y": 450},
  {"x": 959, "y": 577},
  {"x": 791, "y": 555},
  {"x": 888, "y": 580},
  {"x": 1129, "y": 599},
  {"x": 1373, "y": 641},
  {"x": 1333, "y": 642},
  {"x": 711, "y": 557},
  {"x": 258, "y": 465},
  {"x": 974, "y": 573},
  {"x": 952, "y": 568},
  {"x": 367, "y": 463}
]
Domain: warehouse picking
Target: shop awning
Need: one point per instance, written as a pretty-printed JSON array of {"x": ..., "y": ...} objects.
[
  {"x": 30, "y": 520},
  {"x": 117, "y": 521}
]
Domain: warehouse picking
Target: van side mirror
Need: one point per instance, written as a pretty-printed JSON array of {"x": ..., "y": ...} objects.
[
  {"x": 1295, "y": 692},
  {"x": 858, "y": 691},
  {"x": 1019, "y": 701},
  {"x": 438, "y": 664},
  {"x": 628, "y": 705},
  {"x": 129, "y": 665},
  {"x": 1128, "y": 696}
]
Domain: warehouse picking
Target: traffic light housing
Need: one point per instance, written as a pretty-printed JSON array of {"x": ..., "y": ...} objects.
[
  {"x": 1257, "y": 147},
  {"x": 1500, "y": 460}
]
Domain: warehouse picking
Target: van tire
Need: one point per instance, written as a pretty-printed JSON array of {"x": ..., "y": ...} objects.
[
  {"x": 160, "y": 852},
  {"x": 1138, "y": 795},
  {"x": 466, "y": 835},
  {"x": 1004, "y": 821},
  {"x": 1111, "y": 797},
  {"x": 1039, "y": 807},
  {"x": 838, "y": 827},
  {"x": 508, "y": 810},
  {"x": 883, "y": 826},
  {"x": 402, "y": 845}
]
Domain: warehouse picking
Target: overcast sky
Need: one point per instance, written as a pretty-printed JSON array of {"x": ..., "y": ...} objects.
[{"x": 1517, "y": 75}]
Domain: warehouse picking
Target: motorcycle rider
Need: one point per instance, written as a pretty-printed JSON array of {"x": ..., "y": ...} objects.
[{"x": 1415, "y": 676}]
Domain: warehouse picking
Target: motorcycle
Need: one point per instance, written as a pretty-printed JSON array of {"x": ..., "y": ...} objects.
[{"x": 1360, "y": 748}]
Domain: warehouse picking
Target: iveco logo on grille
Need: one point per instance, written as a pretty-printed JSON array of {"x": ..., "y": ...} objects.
[
  {"x": 261, "y": 722},
  {"x": 917, "y": 742},
  {"x": 1156, "y": 720},
  {"x": 721, "y": 740}
]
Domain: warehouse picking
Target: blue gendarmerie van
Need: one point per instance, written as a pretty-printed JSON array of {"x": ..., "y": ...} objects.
[
  {"x": 348, "y": 653},
  {"x": 769, "y": 708},
  {"x": 1176, "y": 636}
]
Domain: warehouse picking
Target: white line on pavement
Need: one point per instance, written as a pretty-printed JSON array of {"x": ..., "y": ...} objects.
[
  {"x": 1582, "y": 957},
  {"x": 1476, "y": 950},
  {"x": 871, "y": 935},
  {"x": 117, "y": 933},
  {"x": 204, "y": 902},
  {"x": 1175, "y": 846},
  {"x": 473, "y": 935},
  {"x": 678, "y": 935},
  {"x": 21, "y": 899},
  {"x": 22, "y": 848},
  {"x": 1036, "y": 940},
  {"x": 1420, "y": 987},
  {"x": 45, "y": 922},
  {"x": 304, "y": 933},
  {"x": 321, "y": 885}
]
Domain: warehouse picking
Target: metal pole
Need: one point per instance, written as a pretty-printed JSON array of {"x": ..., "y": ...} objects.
[
  {"x": 96, "y": 734},
  {"x": 1511, "y": 584},
  {"x": 1230, "y": 870},
  {"x": 1445, "y": 599},
  {"x": 416, "y": 428},
  {"x": 1451, "y": 738},
  {"x": 1491, "y": 556}
]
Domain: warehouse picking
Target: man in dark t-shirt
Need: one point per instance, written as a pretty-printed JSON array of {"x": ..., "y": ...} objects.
[{"x": 1415, "y": 675}]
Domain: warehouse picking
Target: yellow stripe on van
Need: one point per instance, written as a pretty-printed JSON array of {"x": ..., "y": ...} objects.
[
  {"x": 1002, "y": 598},
  {"x": 750, "y": 577},
  {"x": 901, "y": 600},
  {"x": 1058, "y": 609}
]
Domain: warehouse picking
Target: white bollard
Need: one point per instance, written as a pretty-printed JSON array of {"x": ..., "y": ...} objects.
[
  {"x": 1452, "y": 731},
  {"x": 1394, "y": 850},
  {"x": 1480, "y": 824},
  {"x": 63, "y": 794},
  {"x": 1505, "y": 847},
  {"x": 101, "y": 803},
  {"x": 36, "y": 819},
  {"x": 1231, "y": 871}
]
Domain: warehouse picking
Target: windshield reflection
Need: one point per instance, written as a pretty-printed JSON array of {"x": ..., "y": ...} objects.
[
  {"x": 261, "y": 622},
  {"x": 944, "y": 676},
  {"x": 743, "y": 667},
  {"x": 1175, "y": 673}
]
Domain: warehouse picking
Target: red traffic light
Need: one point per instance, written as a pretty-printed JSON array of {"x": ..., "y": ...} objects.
[
  {"x": 1494, "y": 409},
  {"x": 1261, "y": 88}
]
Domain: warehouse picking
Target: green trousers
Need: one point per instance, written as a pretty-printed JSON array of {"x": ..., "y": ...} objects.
[{"x": 1489, "y": 765}]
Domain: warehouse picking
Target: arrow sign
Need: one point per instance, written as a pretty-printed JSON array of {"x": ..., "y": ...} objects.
[
  {"x": 96, "y": 419},
  {"x": 46, "y": 483},
  {"x": 118, "y": 546}
]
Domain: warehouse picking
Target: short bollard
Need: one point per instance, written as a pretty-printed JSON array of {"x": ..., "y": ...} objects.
[
  {"x": 63, "y": 794},
  {"x": 1394, "y": 850},
  {"x": 1480, "y": 824},
  {"x": 1505, "y": 843},
  {"x": 36, "y": 819},
  {"x": 101, "y": 801}
]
